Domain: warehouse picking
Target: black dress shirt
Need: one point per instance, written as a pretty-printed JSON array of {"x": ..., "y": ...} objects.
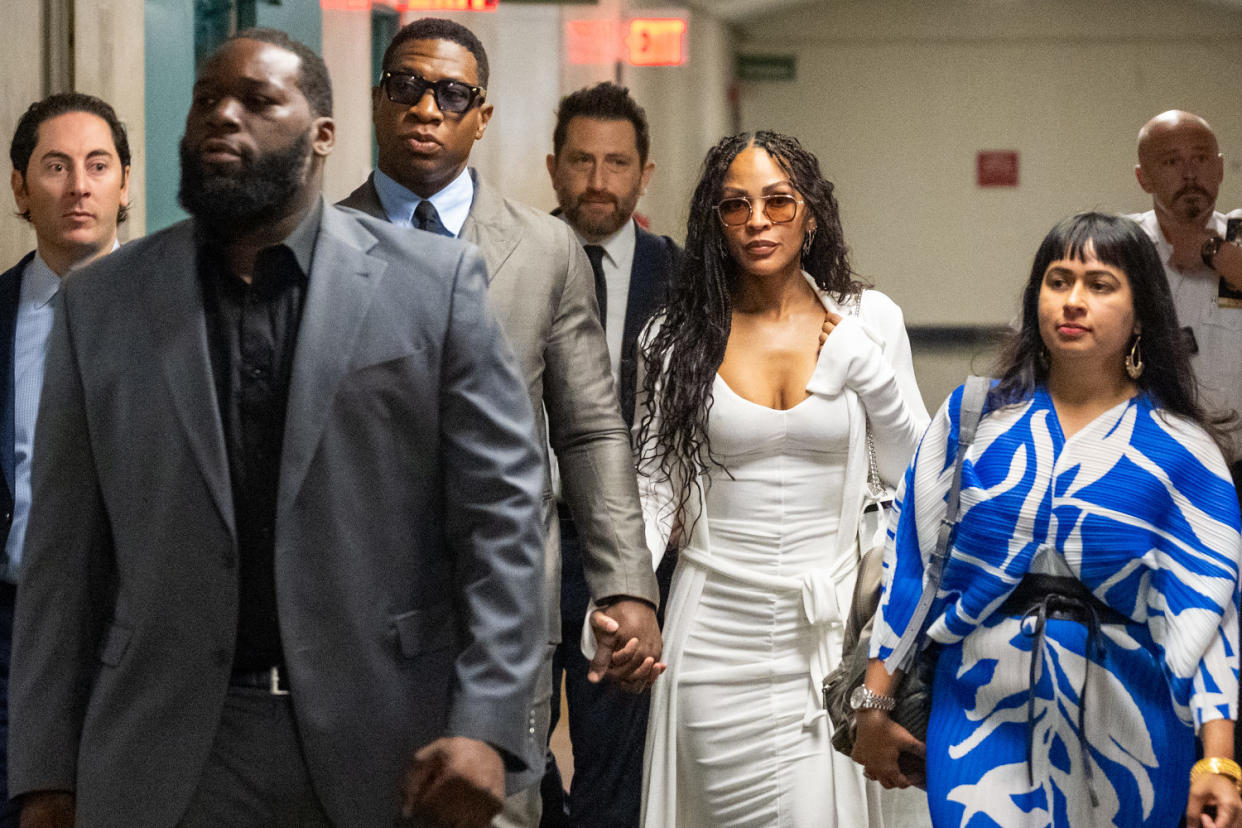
[{"x": 252, "y": 330}]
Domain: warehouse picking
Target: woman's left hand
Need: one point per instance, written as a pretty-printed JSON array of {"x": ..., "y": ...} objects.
[
  {"x": 831, "y": 320},
  {"x": 1214, "y": 791}
]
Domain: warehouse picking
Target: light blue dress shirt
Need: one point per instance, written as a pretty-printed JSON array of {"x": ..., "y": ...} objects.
[
  {"x": 452, "y": 203},
  {"x": 35, "y": 312}
]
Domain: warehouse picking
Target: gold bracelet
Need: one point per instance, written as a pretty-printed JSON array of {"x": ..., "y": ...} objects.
[{"x": 1219, "y": 765}]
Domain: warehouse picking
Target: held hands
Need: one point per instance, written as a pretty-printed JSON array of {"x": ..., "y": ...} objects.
[
  {"x": 879, "y": 746},
  {"x": 455, "y": 781},
  {"x": 627, "y": 645},
  {"x": 1213, "y": 791}
]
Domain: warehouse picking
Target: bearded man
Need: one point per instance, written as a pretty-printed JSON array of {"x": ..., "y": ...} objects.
[
  {"x": 1180, "y": 165},
  {"x": 600, "y": 166},
  {"x": 284, "y": 563}
]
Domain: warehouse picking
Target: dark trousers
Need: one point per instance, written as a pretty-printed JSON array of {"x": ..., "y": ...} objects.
[
  {"x": 9, "y": 811},
  {"x": 256, "y": 774},
  {"x": 607, "y": 726}
]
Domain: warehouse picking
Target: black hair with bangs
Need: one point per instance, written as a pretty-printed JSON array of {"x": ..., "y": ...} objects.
[{"x": 1121, "y": 243}]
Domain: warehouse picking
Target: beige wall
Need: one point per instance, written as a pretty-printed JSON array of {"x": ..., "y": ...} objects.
[
  {"x": 21, "y": 81},
  {"x": 347, "y": 52},
  {"x": 897, "y": 97},
  {"x": 108, "y": 62}
]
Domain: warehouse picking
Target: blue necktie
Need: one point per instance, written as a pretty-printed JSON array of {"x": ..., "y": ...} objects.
[{"x": 426, "y": 218}]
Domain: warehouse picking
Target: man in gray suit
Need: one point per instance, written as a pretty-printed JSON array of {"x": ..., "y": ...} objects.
[
  {"x": 285, "y": 558},
  {"x": 429, "y": 108}
]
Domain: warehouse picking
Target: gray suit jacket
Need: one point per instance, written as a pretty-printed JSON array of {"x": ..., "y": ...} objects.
[
  {"x": 543, "y": 292},
  {"x": 408, "y": 557}
]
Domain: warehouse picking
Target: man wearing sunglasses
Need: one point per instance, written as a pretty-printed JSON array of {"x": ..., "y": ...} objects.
[{"x": 429, "y": 108}]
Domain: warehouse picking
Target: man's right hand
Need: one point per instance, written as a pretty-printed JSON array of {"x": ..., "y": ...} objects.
[
  {"x": 47, "y": 809},
  {"x": 454, "y": 781}
]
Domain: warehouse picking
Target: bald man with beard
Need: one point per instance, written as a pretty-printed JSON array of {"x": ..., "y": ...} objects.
[{"x": 1180, "y": 164}]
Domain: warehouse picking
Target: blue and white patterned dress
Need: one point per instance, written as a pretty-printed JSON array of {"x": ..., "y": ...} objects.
[{"x": 1138, "y": 506}]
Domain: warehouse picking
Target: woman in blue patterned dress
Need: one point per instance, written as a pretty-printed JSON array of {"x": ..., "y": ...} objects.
[{"x": 1087, "y": 620}]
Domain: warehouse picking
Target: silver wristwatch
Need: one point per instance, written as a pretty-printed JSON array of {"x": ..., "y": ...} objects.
[{"x": 864, "y": 698}]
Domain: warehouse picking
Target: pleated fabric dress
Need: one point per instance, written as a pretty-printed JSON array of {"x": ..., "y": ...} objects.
[{"x": 1069, "y": 726}]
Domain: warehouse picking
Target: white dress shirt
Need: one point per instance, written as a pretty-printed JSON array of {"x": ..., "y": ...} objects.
[
  {"x": 618, "y": 262},
  {"x": 1217, "y": 329}
]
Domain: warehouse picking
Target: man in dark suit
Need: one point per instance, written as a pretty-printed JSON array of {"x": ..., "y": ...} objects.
[
  {"x": 70, "y": 180},
  {"x": 429, "y": 108},
  {"x": 284, "y": 561},
  {"x": 600, "y": 167}
]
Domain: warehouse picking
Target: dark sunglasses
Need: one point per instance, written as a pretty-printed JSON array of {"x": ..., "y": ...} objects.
[
  {"x": 779, "y": 209},
  {"x": 407, "y": 89}
]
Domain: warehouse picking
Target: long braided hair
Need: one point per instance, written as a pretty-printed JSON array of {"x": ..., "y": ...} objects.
[{"x": 688, "y": 346}]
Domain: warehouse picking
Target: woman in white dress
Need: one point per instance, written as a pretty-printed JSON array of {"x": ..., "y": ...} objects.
[{"x": 759, "y": 379}]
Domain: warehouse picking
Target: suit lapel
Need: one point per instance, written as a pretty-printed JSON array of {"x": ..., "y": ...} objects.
[
  {"x": 174, "y": 310},
  {"x": 10, "y": 295},
  {"x": 644, "y": 292},
  {"x": 486, "y": 227},
  {"x": 342, "y": 283},
  {"x": 365, "y": 199}
]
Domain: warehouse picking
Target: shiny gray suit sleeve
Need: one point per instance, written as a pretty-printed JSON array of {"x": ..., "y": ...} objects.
[
  {"x": 493, "y": 483},
  {"x": 591, "y": 442}
]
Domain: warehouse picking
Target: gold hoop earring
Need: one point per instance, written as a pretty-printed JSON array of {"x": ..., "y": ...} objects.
[
  {"x": 807, "y": 242},
  {"x": 1134, "y": 360}
]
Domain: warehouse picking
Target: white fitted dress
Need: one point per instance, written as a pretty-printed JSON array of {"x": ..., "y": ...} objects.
[
  {"x": 755, "y": 617},
  {"x": 748, "y": 753}
]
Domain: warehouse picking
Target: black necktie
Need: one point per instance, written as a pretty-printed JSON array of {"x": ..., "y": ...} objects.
[
  {"x": 426, "y": 218},
  {"x": 596, "y": 254}
]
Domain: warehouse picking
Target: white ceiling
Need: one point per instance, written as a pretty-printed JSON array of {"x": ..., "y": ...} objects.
[{"x": 740, "y": 11}]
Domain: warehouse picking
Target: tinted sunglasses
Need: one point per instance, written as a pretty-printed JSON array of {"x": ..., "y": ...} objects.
[
  {"x": 779, "y": 209},
  {"x": 407, "y": 89}
]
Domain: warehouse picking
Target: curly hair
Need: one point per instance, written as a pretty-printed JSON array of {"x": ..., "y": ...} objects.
[
  {"x": 1121, "y": 243},
  {"x": 688, "y": 345}
]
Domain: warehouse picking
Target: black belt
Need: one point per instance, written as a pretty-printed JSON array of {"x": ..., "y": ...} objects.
[
  {"x": 1050, "y": 596},
  {"x": 273, "y": 680}
]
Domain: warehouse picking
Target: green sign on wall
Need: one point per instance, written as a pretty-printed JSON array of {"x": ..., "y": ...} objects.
[{"x": 767, "y": 67}]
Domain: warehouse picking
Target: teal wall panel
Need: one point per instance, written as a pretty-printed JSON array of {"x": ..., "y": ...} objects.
[
  {"x": 300, "y": 19},
  {"x": 169, "y": 42}
]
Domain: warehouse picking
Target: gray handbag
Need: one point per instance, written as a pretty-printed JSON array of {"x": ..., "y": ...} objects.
[{"x": 913, "y": 694}]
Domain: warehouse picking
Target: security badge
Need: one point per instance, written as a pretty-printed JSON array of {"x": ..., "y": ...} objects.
[{"x": 1227, "y": 297}]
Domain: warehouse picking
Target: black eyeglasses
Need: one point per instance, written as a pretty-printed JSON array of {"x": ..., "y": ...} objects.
[
  {"x": 407, "y": 89},
  {"x": 779, "y": 208}
]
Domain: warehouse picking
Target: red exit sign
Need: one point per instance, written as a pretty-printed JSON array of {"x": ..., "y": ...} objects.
[
  {"x": 643, "y": 41},
  {"x": 411, "y": 5},
  {"x": 656, "y": 41}
]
